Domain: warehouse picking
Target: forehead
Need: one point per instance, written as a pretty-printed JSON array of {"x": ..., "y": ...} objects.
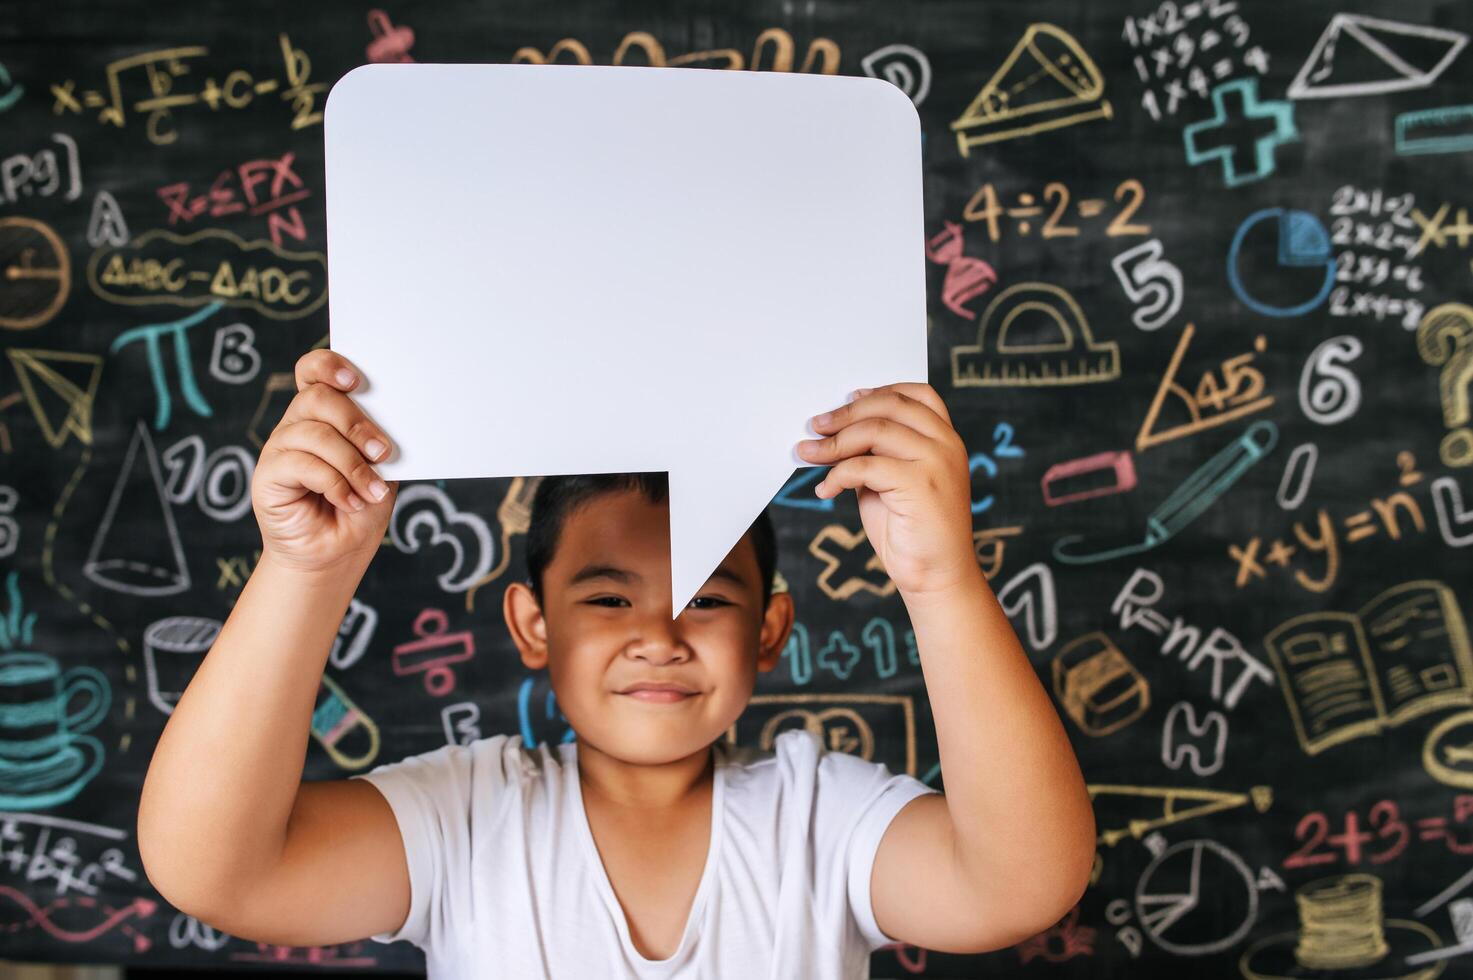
[{"x": 624, "y": 529}]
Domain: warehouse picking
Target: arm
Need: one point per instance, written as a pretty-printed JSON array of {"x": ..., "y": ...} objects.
[
  {"x": 226, "y": 828},
  {"x": 221, "y": 796},
  {"x": 1007, "y": 851},
  {"x": 1009, "y": 848}
]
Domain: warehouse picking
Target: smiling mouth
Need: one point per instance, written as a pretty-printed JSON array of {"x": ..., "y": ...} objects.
[{"x": 658, "y": 697}]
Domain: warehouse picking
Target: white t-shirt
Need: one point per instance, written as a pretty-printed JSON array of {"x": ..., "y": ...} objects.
[{"x": 506, "y": 881}]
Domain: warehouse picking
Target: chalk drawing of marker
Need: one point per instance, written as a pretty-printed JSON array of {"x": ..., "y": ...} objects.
[{"x": 1187, "y": 502}]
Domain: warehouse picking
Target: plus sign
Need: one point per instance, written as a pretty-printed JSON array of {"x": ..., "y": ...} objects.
[{"x": 1268, "y": 125}]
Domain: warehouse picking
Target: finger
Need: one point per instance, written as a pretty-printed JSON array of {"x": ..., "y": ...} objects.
[
  {"x": 887, "y": 403},
  {"x": 878, "y": 473},
  {"x": 326, "y": 404},
  {"x": 879, "y": 435},
  {"x": 326, "y": 442},
  {"x": 309, "y": 472},
  {"x": 922, "y": 393},
  {"x": 323, "y": 366}
]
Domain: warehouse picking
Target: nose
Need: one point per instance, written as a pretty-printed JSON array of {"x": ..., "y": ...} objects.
[{"x": 659, "y": 641}]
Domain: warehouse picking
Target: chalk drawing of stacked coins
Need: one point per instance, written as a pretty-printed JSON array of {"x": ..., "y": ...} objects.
[
  {"x": 45, "y": 759},
  {"x": 1343, "y": 935}
]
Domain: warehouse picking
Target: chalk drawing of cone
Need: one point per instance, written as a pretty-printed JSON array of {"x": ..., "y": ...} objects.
[
  {"x": 45, "y": 760},
  {"x": 1343, "y": 935},
  {"x": 136, "y": 549}
]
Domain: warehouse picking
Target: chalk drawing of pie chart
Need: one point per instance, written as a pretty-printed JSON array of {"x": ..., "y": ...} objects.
[
  {"x": 1280, "y": 262},
  {"x": 1196, "y": 898}
]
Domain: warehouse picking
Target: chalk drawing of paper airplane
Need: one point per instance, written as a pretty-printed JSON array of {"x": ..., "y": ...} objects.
[
  {"x": 1046, "y": 82},
  {"x": 1359, "y": 55},
  {"x": 59, "y": 387}
]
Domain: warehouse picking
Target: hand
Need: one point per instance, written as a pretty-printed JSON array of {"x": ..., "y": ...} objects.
[
  {"x": 896, "y": 448},
  {"x": 316, "y": 496}
]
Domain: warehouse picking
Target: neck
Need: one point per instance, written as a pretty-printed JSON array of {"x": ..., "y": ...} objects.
[{"x": 645, "y": 787}]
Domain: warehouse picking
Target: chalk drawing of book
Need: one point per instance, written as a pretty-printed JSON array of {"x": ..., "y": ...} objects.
[{"x": 1345, "y": 675}]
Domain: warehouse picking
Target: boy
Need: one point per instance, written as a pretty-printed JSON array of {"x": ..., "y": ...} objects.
[{"x": 648, "y": 847}]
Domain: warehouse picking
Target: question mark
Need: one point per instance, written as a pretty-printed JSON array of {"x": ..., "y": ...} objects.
[{"x": 1445, "y": 337}]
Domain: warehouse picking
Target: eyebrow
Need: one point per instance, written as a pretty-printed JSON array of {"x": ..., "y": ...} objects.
[{"x": 624, "y": 575}]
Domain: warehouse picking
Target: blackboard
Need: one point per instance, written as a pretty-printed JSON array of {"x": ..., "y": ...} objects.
[{"x": 1198, "y": 275}]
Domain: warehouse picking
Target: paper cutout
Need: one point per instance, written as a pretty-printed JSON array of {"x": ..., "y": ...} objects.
[{"x": 608, "y": 269}]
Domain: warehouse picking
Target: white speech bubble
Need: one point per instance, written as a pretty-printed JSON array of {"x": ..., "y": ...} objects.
[{"x": 553, "y": 269}]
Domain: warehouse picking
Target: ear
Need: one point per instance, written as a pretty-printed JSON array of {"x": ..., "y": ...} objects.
[
  {"x": 777, "y": 624},
  {"x": 525, "y": 623}
]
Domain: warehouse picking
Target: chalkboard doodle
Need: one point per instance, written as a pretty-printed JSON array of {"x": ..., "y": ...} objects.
[
  {"x": 1383, "y": 56},
  {"x": 1184, "y": 48},
  {"x": 41, "y": 174},
  {"x": 59, "y": 388},
  {"x": 1136, "y": 811},
  {"x": 427, "y": 655},
  {"x": 1031, "y": 592},
  {"x": 35, "y": 273},
  {"x": 268, "y": 186},
  {"x": 840, "y": 657},
  {"x": 1135, "y": 605},
  {"x": 986, "y": 206},
  {"x": 151, "y": 565},
  {"x": 903, "y": 66},
  {"x": 346, "y": 733},
  {"x": 772, "y": 51},
  {"x": 45, "y": 757},
  {"x": 1046, "y": 82},
  {"x": 1098, "y": 686},
  {"x": 966, "y": 277},
  {"x": 1445, "y": 339},
  {"x": 1039, "y": 337},
  {"x": 1380, "y": 256},
  {"x": 1186, "y": 503},
  {"x": 1231, "y": 102},
  {"x": 842, "y": 723},
  {"x": 1300, "y": 242},
  {"x": 1159, "y": 238},
  {"x": 1329, "y": 392},
  {"x": 1342, "y": 927},
  {"x": 1452, "y": 514},
  {"x": 1443, "y": 130},
  {"x": 1349, "y": 675},
  {"x": 1323, "y": 540},
  {"x": 211, "y": 266},
  {"x": 140, "y": 82},
  {"x": 1209, "y": 402},
  {"x": 173, "y": 649},
  {"x": 1151, "y": 282}
]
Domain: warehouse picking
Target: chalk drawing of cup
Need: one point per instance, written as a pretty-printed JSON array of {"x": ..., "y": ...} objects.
[
  {"x": 45, "y": 760},
  {"x": 172, "y": 651}
]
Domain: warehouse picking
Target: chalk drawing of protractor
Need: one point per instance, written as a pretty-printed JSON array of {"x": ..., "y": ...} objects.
[
  {"x": 1047, "y": 82},
  {"x": 1187, "y": 502},
  {"x": 1166, "y": 805},
  {"x": 1040, "y": 337}
]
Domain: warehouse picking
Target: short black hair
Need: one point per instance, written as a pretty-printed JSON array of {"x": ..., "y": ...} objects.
[{"x": 558, "y": 496}]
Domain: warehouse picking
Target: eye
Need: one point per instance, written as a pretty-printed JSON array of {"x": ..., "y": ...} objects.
[{"x": 600, "y": 600}]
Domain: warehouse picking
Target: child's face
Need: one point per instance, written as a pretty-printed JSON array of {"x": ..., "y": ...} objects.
[{"x": 604, "y": 632}]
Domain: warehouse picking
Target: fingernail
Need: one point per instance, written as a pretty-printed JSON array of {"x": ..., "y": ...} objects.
[
  {"x": 355, "y": 502},
  {"x": 346, "y": 377},
  {"x": 374, "y": 448},
  {"x": 377, "y": 489},
  {"x": 823, "y": 419}
]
